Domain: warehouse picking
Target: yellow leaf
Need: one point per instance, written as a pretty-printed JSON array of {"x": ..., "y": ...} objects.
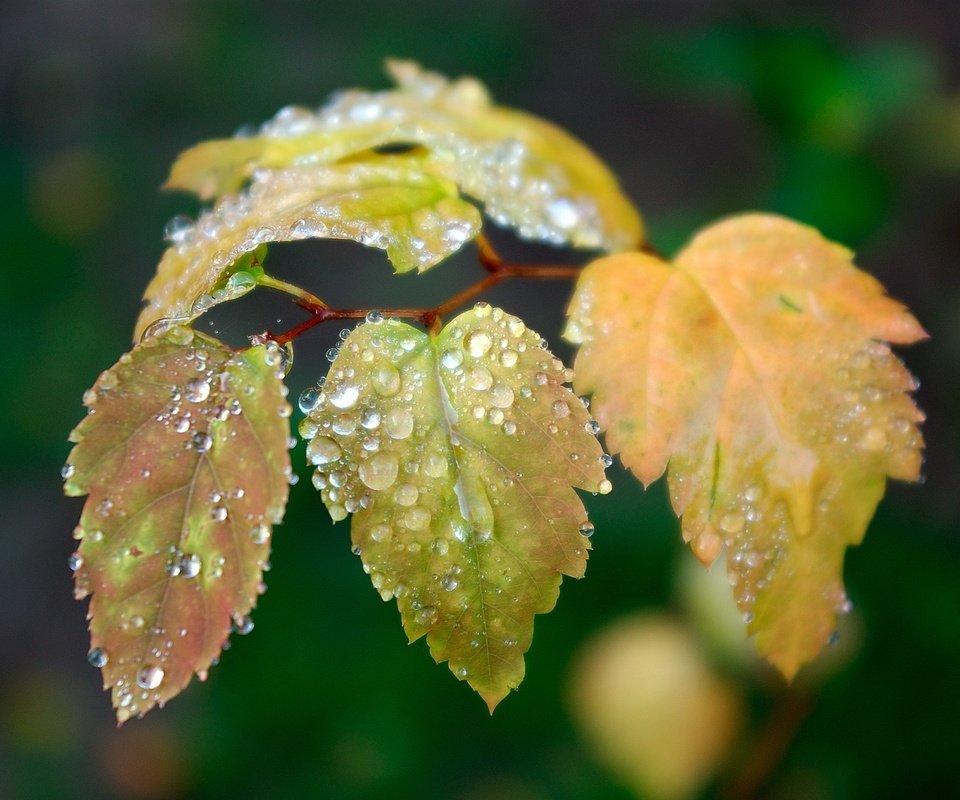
[
  {"x": 392, "y": 202},
  {"x": 530, "y": 174},
  {"x": 757, "y": 366},
  {"x": 457, "y": 455}
]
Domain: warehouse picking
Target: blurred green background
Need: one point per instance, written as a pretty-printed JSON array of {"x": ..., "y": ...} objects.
[{"x": 845, "y": 115}]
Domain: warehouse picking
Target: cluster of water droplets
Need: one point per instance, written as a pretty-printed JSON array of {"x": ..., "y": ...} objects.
[
  {"x": 519, "y": 187},
  {"x": 429, "y": 441}
]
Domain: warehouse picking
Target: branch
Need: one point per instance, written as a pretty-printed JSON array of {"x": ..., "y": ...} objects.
[{"x": 498, "y": 270}]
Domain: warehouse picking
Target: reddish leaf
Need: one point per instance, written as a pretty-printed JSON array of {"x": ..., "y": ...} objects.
[{"x": 183, "y": 456}]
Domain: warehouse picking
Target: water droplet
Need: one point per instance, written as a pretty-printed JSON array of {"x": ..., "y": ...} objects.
[
  {"x": 451, "y": 359},
  {"x": 449, "y": 583},
  {"x": 586, "y": 529},
  {"x": 482, "y": 309},
  {"x": 260, "y": 534},
  {"x": 345, "y": 396},
  {"x": 509, "y": 428},
  {"x": 592, "y": 427},
  {"x": 309, "y": 399},
  {"x": 202, "y": 442},
  {"x": 477, "y": 343},
  {"x": 218, "y": 513},
  {"x": 426, "y": 616},
  {"x": 417, "y": 518},
  {"x": 399, "y": 423},
  {"x": 344, "y": 424},
  {"x": 508, "y": 358},
  {"x": 374, "y": 317},
  {"x": 75, "y": 562},
  {"x": 435, "y": 465},
  {"x": 606, "y": 460},
  {"x": 323, "y": 450},
  {"x": 242, "y": 625},
  {"x": 501, "y": 396},
  {"x": 605, "y": 487},
  {"x": 98, "y": 657},
  {"x": 480, "y": 379},
  {"x": 68, "y": 471},
  {"x": 332, "y": 354},
  {"x": 560, "y": 409},
  {"x": 381, "y": 533},
  {"x": 370, "y": 418},
  {"x": 150, "y": 677},
  {"x": 386, "y": 380},
  {"x": 190, "y": 565},
  {"x": 197, "y": 390},
  {"x": 380, "y": 471},
  {"x": 406, "y": 495}
]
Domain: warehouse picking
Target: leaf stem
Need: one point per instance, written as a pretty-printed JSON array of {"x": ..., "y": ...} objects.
[
  {"x": 303, "y": 298},
  {"x": 497, "y": 270}
]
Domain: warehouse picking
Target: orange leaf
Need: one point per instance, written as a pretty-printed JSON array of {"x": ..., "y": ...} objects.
[{"x": 757, "y": 367}]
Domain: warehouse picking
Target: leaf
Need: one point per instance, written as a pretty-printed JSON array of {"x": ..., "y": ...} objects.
[
  {"x": 393, "y": 203},
  {"x": 530, "y": 174},
  {"x": 183, "y": 456},
  {"x": 756, "y": 365},
  {"x": 456, "y": 455}
]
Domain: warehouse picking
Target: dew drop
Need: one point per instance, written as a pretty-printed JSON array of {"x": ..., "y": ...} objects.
[
  {"x": 374, "y": 317},
  {"x": 190, "y": 565},
  {"x": 309, "y": 399},
  {"x": 477, "y": 343},
  {"x": 323, "y": 450},
  {"x": 380, "y": 471},
  {"x": 386, "y": 380},
  {"x": 202, "y": 442},
  {"x": 586, "y": 529},
  {"x": 406, "y": 495},
  {"x": 260, "y": 534},
  {"x": 345, "y": 396},
  {"x": 451, "y": 359},
  {"x": 197, "y": 390},
  {"x": 435, "y": 465},
  {"x": 480, "y": 379},
  {"x": 98, "y": 658},
  {"x": 242, "y": 625},
  {"x": 399, "y": 423},
  {"x": 560, "y": 409},
  {"x": 605, "y": 487},
  {"x": 501, "y": 396},
  {"x": 150, "y": 677},
  {"x": 68, "y": 471}
]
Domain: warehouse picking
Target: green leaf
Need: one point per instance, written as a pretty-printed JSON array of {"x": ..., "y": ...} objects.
[
  {"x": 394, "y": 203},
  {"x": 183, "y": 456},
  {"x": 756, "y": 366},
  {"x": 530, "y": 174},
  {"x": 456, "y": 455}
]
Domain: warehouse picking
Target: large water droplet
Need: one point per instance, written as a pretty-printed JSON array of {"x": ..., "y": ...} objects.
[
  {"x": 380, "y": 471},
  {"x": 386, "y": 380},
  {"x": 399, "y": 423},
  {"x": 345, "y": 396},
  {"x": 150, "y": 677},
  {"x": 477, "y": 343},
  {"x": 197, "y": 390},
  {"x": 323, "y": 450},
  {"x": 98, "y": 657}
]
